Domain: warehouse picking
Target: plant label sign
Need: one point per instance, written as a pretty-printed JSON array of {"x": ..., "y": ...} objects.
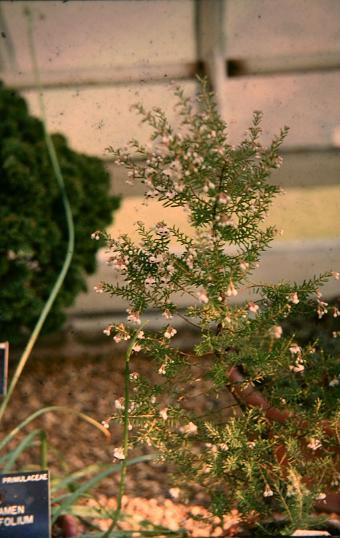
[
  {"x": 25, "y": 505},
  {"x": 3, "y": 367}
]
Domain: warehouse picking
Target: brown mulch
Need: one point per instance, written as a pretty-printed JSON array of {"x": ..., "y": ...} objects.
[{"x": 91, "y": 384}]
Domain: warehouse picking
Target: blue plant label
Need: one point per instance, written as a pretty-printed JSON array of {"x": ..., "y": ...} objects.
[
  {"x": 3, "y": 367},
  {"x": 25, "y": 505}
]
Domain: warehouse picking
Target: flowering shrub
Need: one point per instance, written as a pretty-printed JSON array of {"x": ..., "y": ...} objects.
[{"x": 272, "y": 448}]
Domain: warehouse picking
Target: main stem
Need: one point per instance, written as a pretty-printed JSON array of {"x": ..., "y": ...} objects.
[{"x": 122, "y": 480}]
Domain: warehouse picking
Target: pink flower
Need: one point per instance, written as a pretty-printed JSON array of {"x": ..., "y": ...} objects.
[
  {"x": 252, "y": 307},
  {"x": 170, "y": 332},
  {"x": 161, "y": 229},
  {"x": 175, "y": 492},
  {"x": 298, "y": 367},
  {"x": 293, "y": 298},
  {"x": 314, "y": 444},
  {"x": 223, "y": 198},
  {"x": 335, "y": 275},
  {"x": 96, "y": 235},
  {"x": 119, "y": 404},
  {"x": 167, "y": 314},
  {"x": 136, "y": 347},
  {"x": 162, "y": 369},
  {"x": 189, "y": 428},
  {"x": 231, "y": 289},
  {"x": 295, "y": 349},
  {"x": 98, "y": 289},
  {"x": 202, "y": 297},
  {"x": 133, "y": 317},
  {"x": 276, "y": 331},
  {"x": 267, "y": 491},
  {"x": 244, "y": 266},
  {"x": 118, "y": 453},
  {"x": 108, "y": 330},
  {"x": 322, "y": 309},
  {"x": 164, "y": 413}
]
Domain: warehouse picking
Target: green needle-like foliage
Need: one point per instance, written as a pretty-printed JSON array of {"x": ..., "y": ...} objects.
[
  {"x": 33, "y": 231},
  {"x": 240, "y": 454}
]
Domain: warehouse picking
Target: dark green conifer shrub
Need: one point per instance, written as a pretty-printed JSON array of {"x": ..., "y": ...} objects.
[{"x": 33, "y": 232}]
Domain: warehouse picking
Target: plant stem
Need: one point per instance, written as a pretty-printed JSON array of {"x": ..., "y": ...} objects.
[
  {"x": 43, "y": 450},
  {"x": 69, "y": 219},
  {"x": 122, "y": 480}
]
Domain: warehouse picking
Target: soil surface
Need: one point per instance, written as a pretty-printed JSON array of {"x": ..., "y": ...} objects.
[{"x": 91, "y": 383}]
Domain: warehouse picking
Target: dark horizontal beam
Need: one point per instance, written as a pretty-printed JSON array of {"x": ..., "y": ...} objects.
[
  {"x": 120, "y": 75},
  {"x": 277, "y": 65}
]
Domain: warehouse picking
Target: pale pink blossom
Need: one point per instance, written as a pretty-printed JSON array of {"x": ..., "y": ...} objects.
[
  {"x": 226, "y": 220},
  {"x": 119, "y": 404},
  {"x": 149, "y": 281},
  {"x": 223, "y": 198},
  {"x": 119, "y": 264},
  {"x": 267, "y": 491},
  {"x": 98, "y": 289},
  {"x": 167, "y": 314},
  {"x": 156, "y": 259},
  {"x": 298, "y": 367},
  {"x": 276, "y": 331},
  {"x": 179, "y": 187},
  {"x": 134, "y": 317},
  {"x": 162, "y": 369},
  {"x": 170, "y": 332},
  {"x": 175, "y": 492},
  {"x": 278, "y": 162},
  {"x": 140, "y": 335},
  {"x": 254, "y": 308},
  {"x": 106, "y": 424},
  {"x": 161, "y": 228},
  {"x": 189, "y": 428},
  {"x": 118, "y": 453},
  {"x": 295, "y": 349},
  {"x": 293, "y": 297},
  {"x": 244, "y": 266},
  {"x": 336, "y": 312},
  {"x": 134, "y": 376},
  {"x": 322, "y": 309},
  {"x": 136, "y": 347},
  {"x": 314, "y": 444},
  {"x": 96, "y": 235},
  {"x": 335, "y": 275},
  {"x": 117, "y": 338},
  {"x": 203, "y": 297},
  {"x": 321, "y": 496},
  {"x": 108, "y": 330},
  {"x": 231, "y": 290},
  {"x": 164, "y": 413},
  {"x": 333, "y": 382}
]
